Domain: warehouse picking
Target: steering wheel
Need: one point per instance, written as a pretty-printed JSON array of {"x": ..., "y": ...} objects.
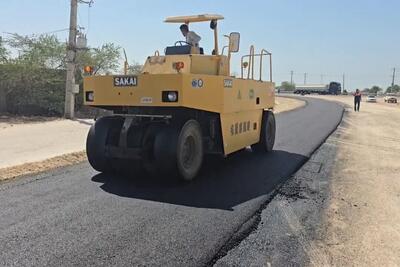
[{"x": 182, "y": 43}]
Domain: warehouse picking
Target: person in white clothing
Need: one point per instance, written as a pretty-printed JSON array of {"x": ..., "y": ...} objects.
[{"x": 191, "y": 37}]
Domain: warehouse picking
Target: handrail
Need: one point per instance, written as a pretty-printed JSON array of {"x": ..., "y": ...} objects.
[
  {"x": 157, "y": 53},
  {"x": 226, "y": 46},
  {"x": 241, "y": 65},
  {"x": 223, "y": 49},
  {"x": 270, "y": 63},
  {"x": 251, "y": 57},
  {"x": 248, "y": 65},
  {"x": 251, "y": 63}
]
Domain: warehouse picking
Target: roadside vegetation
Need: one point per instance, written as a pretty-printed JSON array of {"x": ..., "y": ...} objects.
[{"x": 33, "y": 72}]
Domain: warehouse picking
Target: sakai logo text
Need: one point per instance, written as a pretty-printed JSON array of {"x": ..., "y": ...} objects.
[
  {"x": 125, "y": 80},
  {"x": 240, "y": 127}
]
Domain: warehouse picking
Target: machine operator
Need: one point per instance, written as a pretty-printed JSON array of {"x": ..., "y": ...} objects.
[{"x": 191, "y": 37}]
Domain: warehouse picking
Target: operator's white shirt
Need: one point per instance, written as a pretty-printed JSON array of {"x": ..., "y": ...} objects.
[{"x": 192, "y": 38}]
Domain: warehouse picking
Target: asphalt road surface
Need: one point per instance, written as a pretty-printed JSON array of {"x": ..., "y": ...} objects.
[{"x": 76, "y": 216}]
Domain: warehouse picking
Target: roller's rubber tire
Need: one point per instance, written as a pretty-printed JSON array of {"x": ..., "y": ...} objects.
[
  {"x": 149, "y": 160},
  {"x": 189, "y": 150},
  {"x": 165, "y": 145},
  {"x": 179, "y": 152},
  {"x": 267, "y": 135},
  {"x": 104, "y": 131}
]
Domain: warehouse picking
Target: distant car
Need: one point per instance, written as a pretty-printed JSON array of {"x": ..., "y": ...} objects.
[
  {"x": 371, "y": 98},
  {"x": 390, "y": 99}
]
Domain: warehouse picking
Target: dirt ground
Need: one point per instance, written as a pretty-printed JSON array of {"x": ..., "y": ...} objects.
[
  {"x": 342, "y": 208},
  {"x": 40, "y": 166},
  {"x": 362, "y": 219},
  {"x": 7, "y": 120}
]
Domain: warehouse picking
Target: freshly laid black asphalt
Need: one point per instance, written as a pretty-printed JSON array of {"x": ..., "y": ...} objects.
[{"x": 76, "y": 216}]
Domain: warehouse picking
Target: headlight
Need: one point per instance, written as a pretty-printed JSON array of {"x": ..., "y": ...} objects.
[
  {"x": 170, "y": 96},
  {"x": 89, "y": 96}
]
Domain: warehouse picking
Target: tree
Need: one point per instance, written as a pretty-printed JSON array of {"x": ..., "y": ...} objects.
[
  {"x": 4, "y": 54},
  {"x": 46, "y": 51},
  {"x": 43, "y": 51},
  {"x": 135, "y": 68},
  {"x": 287, "y": 86},
  {"x": 37, "y": 56},
  {"x": 375, "y": 89},
  {"x": 35, "y": 78},
  {"x": 3, "y": 59},
  {"x": 104, "y": 59},
  {"x": 394, "y": 89}
]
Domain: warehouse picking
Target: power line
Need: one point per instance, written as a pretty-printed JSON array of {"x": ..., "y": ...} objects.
[
  {"x": 51, "y": 32},
  {"x": 43, "y": 33},
  {"x": 90, "y": 2}
]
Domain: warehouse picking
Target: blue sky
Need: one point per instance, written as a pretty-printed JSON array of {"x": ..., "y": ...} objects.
[{"x": 321, "y": 38}]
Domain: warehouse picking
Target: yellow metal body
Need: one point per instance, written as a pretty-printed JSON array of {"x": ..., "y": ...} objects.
[
  {"x": 204, "y": 83},
  {"x": 194, "y": 63},
  {"x": 240, "y": 102}
]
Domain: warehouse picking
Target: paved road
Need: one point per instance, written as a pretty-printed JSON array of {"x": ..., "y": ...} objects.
[{"x": 75, "y": 216}]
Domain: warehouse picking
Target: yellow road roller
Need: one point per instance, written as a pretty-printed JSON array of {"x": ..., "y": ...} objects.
[{"x": 183, "y": 106}]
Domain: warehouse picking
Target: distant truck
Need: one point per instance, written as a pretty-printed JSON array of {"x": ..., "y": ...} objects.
[{"x": 333, "y": 88}]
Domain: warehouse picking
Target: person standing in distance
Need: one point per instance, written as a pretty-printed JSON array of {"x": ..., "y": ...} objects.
[{"x": 357, "y": 100}]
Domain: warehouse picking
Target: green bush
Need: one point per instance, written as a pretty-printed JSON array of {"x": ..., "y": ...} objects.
[{"x": 33, "y": 91}]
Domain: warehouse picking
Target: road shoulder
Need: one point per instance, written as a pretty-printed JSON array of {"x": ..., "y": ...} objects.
[
  {"x": 284, "y": 235},
  {"x": 342, "y": 207}
]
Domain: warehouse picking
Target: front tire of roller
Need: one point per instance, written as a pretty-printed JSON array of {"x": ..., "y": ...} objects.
[
  {"x": 189, "y": 150},
  {"x": 165, "y": 145},
  {"x": 179, "y": 152},
  {"x": 267, "y": 135},
  {"x": 99, "y": 134}
]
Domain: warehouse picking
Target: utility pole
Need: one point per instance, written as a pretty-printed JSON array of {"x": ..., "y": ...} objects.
[
  {"x": 305, "y": 77},
  {"x": 343, "y": 84},
  {"x": 291, "y": 77},
  {"x": 71, "y": 51},
  {"x": 393, "y": 76}
]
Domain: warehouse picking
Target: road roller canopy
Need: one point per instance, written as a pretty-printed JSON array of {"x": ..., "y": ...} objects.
[
  {"x": 193, "y": 18},
  {"x": 212, "y": 18}
]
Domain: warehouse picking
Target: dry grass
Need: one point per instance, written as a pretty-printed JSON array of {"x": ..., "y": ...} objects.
[{"x": 41, "y": 166}]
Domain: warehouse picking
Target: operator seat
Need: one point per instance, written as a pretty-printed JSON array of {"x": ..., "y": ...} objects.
[{"x": 180, "y": 50}]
